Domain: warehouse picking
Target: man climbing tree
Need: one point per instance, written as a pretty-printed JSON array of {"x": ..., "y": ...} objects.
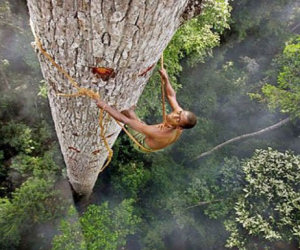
[
  {"x": 158, "y": 136},
  {"x": 123, "y": 37}
]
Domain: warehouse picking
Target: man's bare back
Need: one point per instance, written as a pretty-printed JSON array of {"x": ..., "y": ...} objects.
[{"x": 161, "y": 135}]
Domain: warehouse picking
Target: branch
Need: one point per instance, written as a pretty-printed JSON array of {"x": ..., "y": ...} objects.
[
  {"x": 12, "y": 26},
  {"x": 295, "y": 27},
  {"x": 277, "y": 125},
  {"x": 203, "y": 203},
  {"x": 192, "y": 9},
  {"x": 3, "y": 75}
]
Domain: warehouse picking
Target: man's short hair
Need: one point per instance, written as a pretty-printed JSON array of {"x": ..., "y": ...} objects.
[{"x": 191, "y": 120}]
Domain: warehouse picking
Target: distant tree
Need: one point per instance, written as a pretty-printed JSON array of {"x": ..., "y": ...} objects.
[
  {"x": 17, "y": 137},
  {"x": 286, "y": 94},
  {"x": 269, "y": 208},
  {"x": 101, "y": 227},
  {"x": 29, "y": 173},
  {"x": 215, "y": 196},
  {"x": 36, "y": 201},
  {"x": 71, "y": 236},
  {"x": 130, "y": 180},
  {"x": 257, "y": 18}
]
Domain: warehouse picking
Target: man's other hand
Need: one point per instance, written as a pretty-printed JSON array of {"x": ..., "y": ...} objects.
[
  {"x": 163, "y": 74},
  {"x": 101, "y": 104}
]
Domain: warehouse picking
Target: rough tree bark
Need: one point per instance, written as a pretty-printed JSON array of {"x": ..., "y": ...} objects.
[{"x": 127, "y": 36}]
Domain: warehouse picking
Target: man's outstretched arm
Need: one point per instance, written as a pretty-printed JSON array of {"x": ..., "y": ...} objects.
[
  {"x": 134, "y": 124},
  {"x": 170, "y": 92},
  {"x": 113, "y": 112}
]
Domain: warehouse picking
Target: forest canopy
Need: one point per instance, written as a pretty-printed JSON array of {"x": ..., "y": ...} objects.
[{"x": 237, "y": 67}]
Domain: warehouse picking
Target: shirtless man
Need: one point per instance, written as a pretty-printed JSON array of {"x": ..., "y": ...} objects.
[{"x": 157, "y": 136}]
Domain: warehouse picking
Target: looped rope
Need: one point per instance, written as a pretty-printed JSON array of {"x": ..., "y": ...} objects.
[{"x": 163, "y": 91}]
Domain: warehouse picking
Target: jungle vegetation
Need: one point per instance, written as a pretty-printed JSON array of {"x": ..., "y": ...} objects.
[{"x": 237, "y": 67}]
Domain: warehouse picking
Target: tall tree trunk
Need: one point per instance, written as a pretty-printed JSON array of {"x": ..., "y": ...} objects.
[{"x": 127, "y": 36}]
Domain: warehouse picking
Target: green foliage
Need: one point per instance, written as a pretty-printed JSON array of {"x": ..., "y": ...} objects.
[
  {"x": 34, "y": 202},
  {"x": 5, "y": 13},
  {"x": 197, "y": 194},
  {"x": 2, "y": 169},
  {"x": 269, "y": 208},
  {"x": 17, "y": 136},
  {"x": 153, "y": 238},
  {"x": 232, "y": 177},
  {"x": 4, "y": 64},
  {"x": 43, "y": 89},
  {"x": 102, "y": 227},
  {"x": 198, "y": 36},
  {"x": 37, "y": 166},
  {"x": 172, "y": 194},
  {"x": 1, "y": 155},
  {"x": 130, "y": 179},
  {"x": 286, "y": 94},
  {"x": 26, "y": 142},
  {"x": 215, "y": 196},
  {"x": 252, "y": 17},
  {"x": 71, "y": 237},
  {"x": 218, "y": 90}
]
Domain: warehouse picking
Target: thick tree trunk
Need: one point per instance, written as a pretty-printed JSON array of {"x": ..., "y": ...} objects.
[{"x": 127, "y": 36}]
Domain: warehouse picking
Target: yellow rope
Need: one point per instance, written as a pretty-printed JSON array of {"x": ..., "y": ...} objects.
[
  {"x": 60, "y": 69},
  {"x": 102, "y": 134},
  {"x": 163, "y": 91},
  {"x": 93, "y": 95}
]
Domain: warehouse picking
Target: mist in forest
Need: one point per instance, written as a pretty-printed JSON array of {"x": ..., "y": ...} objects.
[
  {"x": 19, "y": 62},
  {"x": 253, "y": 57},
  {"x": 233, "y": 114},
  {"x": 20, "y": 77}
]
